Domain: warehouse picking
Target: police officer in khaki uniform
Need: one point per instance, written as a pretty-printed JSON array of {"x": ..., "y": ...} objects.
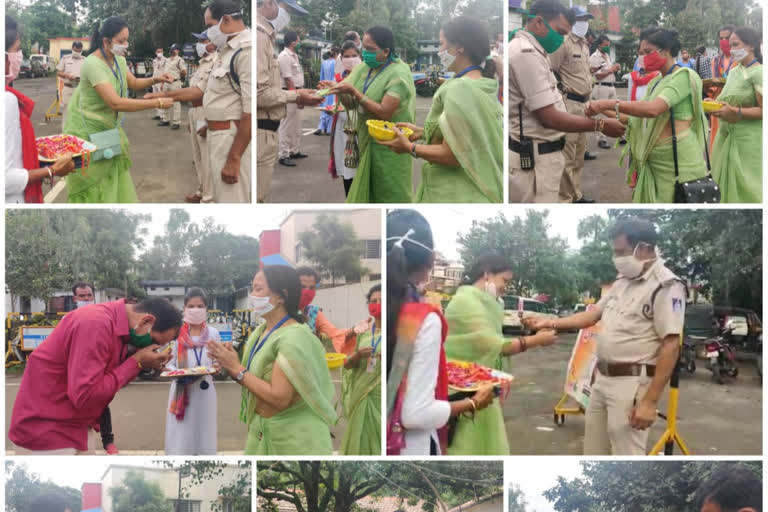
[
  {"x": 292, "y": 76},
  {"x": 177, "y": 68},
  {"x": 68, "y": 70},
  {"x": 604, "y": 72},
  {"x": 571, "y": 64},
  {"x": 536, "y": 159},
  {"x": 271, "y": 99},
  {"x": 641, "y": 319},
  {"x": 158, "y": 69}
]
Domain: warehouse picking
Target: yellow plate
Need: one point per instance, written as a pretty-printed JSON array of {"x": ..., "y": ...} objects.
[
  {"x": 334, "y": 360},
  {"x": 382, "y": 130},
  {"x": 710, "y": 106}
]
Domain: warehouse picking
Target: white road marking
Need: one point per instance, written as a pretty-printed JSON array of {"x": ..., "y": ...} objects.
[{"x": 55, "y": 191}]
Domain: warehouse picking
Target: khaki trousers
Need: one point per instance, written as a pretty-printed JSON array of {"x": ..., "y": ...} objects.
[
  {"x": 200, "y": 156},
  {"x": 573, "y": 152},
  {"x": 66, "y": 95},
  {"x": 219, "y": 144},
  {"x": 94, "y": 439},
  {"x": 289, "y": 133},
  {"x": 603, "y": 92},
  {"x": 540, "y": 184},
  {"x": 176, "y": 108},
  {"x": 159, "y": 111},
  {"x": 607, "y": 429},
  {"x": 266, "y": 157}
]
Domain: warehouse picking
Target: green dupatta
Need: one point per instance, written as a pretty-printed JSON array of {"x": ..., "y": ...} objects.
[
  {"x": 303, "y": 428},
  {"x": 361, "y": 403},
  {"x": 382, "y": 175},
  {"x": 651, "y": 157},
  {"x": 467, "y": 115},
  {"x": 474, "y": 334},
  {"x": 105, "y": 181}
]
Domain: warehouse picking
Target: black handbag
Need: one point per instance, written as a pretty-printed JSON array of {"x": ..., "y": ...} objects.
[{"x": 702, "y": 190}]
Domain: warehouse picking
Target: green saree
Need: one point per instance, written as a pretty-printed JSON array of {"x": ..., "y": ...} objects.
[
  {"x": 737, "y": 154},
  {"x": 303, "y": 428},
  {"x": 361, "y": 402},
  {"x": 105, "y": 181},
  {"x": 382, "y": 175},
  {"x": 650, "y": 156},
  {"x": 467, "y": 115},
  {"x": 474, "y": 334}
]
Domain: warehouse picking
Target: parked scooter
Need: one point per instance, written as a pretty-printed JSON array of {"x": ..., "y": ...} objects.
[
  {"x": 688, "y": 356},
  {"x": 721, "y": 357}
]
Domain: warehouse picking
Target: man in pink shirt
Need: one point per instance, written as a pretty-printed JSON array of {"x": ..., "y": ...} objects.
[{"x": 78, "y": 370}]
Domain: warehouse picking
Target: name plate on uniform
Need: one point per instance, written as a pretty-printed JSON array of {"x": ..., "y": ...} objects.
[{"x": 33, "y": 337}]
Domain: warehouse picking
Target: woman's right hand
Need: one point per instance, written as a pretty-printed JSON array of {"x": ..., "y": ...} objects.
[
  {"x": 63, "y": 165},
  {"x": 165, "y": 103},
  {"x": 418, "y": 131},
  {"x": 326, "y": 84},
  {"x": 613, "y": 128},
  {"x": 484, "y": 396}
]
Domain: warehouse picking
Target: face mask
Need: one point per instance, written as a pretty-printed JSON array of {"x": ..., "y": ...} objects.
[
  {"x": 605, "y": 49},
  {"x": 653, "y": 62},
  {"x": 580, "y": 28},
  {"x": 119, "y": 49},
  {"x": 350, "y": 63},
  {"x": 77, "y": 54},
  {"x": 725, "y": 47},
  {"x": 374, "y": 310},
  {"x": 370, "y": 59},
  {"x": 282, "y": 20},
  {"x": 307, "y": 296},
  {"x": 739, "y": 54},
  {"x": 195, "y": 316},
  {"x": 552, "y": 41},
  {"x": 159, "y": 55},
  {"x": 14, "y": 64},
  {"x": 140, "y": 340},
  {"x": 446, "y": 59},
  {"x": 359, "y": 46},
  {"x": 260, "y": 305},
  {"x": 218, "y": 37},
  {"x": 201, "y": 51},
  {"x": 83, "y": 303},
  {"x": 629, "y": 266}
]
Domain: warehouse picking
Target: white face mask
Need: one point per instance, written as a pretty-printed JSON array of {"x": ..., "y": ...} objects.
[
  {"x": 77, "y": 54},
  {"x": 14, "y": 64},
  {"x": 120, "y": 49},
  {"x": 580, "y": 28},
  {"x": 260, "y": 305},
  {"x": 195, "y": 316},
  {"x": 83, "y": 303},
  {"x": 201, "y": 51},
  {"x": 159, "y": 55},
  {"x": 739, "y": 54},
  {"x": 629, "y": 266},
  {"x": 350, "y": 62},
  {"x": 490, "y": 288},
  {"x": 446, "y": 59},
  {"x": 282, "y": 20},
  {"x": 218, "y": 37}
]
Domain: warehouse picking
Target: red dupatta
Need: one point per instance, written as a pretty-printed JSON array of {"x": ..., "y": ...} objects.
[
  {"x": 34, "y": 191},
  {"x": 639, "y": 80}
]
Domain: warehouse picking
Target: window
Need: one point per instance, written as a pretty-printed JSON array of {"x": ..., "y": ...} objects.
[
  {"x": 298, "y": 252},
  {"x": 228, "y": 505},
  {"x": 185, "y": 505},
  {"x": 371, "y": 249}
]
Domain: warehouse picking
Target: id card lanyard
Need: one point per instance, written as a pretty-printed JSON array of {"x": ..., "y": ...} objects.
[{"x": 374, "y": 345}]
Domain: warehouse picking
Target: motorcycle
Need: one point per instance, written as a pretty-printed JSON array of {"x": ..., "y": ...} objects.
[
  {"x": 721, "y": 357},
  {"x": 688, "y": 356},
  {"x": 428, "y": 85}
]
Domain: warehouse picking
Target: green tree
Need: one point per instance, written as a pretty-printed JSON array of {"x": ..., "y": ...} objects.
[
  {"x": 334, "y": 248},
  {"x": 223, "y": 262},
  {"x": 24, "y": 490},
  {"x": 169, "y": 256},
  {"x": 136, "y": 494},
  {"x": 42, "y": 20},
  {"x": 516, "y": 499},
  {"x": 236, "y": 491}
]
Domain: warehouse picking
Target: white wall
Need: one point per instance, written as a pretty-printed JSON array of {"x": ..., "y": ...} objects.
[{"x": 345, "y": 305}]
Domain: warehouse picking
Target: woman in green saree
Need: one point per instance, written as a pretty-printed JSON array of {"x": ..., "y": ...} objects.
[
  {"x": 463, "y": 133},
  {"x": 737, "y": 154},
  {"x": 287, "y": 392},
  {"x": 97, "y": 105},
  {"x": 361, "y": 387},
  {"x": 380, "y": 88},
  {"x": 678, "y": 89},
  {"x": 475, "y": 318}
]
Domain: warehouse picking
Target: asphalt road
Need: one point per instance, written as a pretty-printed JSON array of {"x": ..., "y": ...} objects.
[
  {"x": 139, "y": 411},
  {"x": 712, "y": 419},
  {"x": 163, "y": 171}
]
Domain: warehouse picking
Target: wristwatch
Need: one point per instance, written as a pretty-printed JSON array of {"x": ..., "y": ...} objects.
[{"x": 240, "y": 376}]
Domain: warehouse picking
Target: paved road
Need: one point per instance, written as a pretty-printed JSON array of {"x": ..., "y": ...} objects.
[
  {"x": 162, "y": 170},
  {"x": 713, "y": 419},
  {"x": 139, "y": 411}
]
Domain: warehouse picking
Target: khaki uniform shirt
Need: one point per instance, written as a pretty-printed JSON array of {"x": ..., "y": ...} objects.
[
  {"x": 532, "y": 84},
  {"x": 221, "y": 101},
  {"x": 174, "y": 66},
  {"x": 71, "y": 64},
  {"x": 199, "y": 78},
  {"x": 638, "y": 314},
  {"x": 571, "y": 61},
  {"x": 603, "y": 61},
  {"x": 270, "y": 96},
  {"x": 290, "y": 67},
  {"x": 158, "y": 66}
]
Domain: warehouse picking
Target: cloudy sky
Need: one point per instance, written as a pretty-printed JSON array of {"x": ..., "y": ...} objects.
[{"x": 534, "y": 475}]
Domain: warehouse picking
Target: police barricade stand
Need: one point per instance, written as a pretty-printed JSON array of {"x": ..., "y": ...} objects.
[
  {"x": 671, "y": 436},
  {"x": 54, "y": 111}
]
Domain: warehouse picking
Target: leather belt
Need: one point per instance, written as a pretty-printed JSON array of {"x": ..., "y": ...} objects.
[
  {"x": 576, "y": 97},
  {"x": 216, "y": 126},
  {"x": 607, "y": 84},
  {"x": 625, "y": 369},
  {"x": 544, "y": 147},
  {"x": 197, "y": 103},
  {"x": 267, "y": 124}
]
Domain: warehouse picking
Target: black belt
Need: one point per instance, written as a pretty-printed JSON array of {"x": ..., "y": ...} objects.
[
  {"x": 544, "y": 147},
  {"x": 607, "y": 84},
  {"x": 576, "y": 97},
  {"x": 267, "y": 124}
]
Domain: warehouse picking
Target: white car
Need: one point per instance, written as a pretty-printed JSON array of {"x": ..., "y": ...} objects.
[{"x": 531, "y": 308}]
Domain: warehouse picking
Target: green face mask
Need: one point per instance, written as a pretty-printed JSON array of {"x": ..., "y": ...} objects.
[
  {"x": 140, "y": 340},
  {"x": 552, "y": 41},
  {"x": 370, "y": 59},
  {"x": 605, "y": 49}
]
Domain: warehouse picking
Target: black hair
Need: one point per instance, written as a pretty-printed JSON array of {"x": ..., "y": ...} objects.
[
  {"x": 375, "y": 288},
  {"x": 109, "y": 29},
  {"x": 77, "y": 44},
  {"x": 403, "y": 259},
  {"x": 308, "y": 271},
  {"x": 81, "y": 284},
  {"x": 383, "y": 37},
  {"x": 733, "y": 487},
  {"x": 550, "y": 10},
  {"x": 701, "y": 49},
  {"x": 646, "y": 33},
  {"x": 195, "y": 292},
  {"x": 326, "y": 55},
  {"x": 750, "y": 36},
  {"x": 491, "y": 263},
  {"x": 601, "y": 38},
  {"x": 290, "y": 37},
  {"x": 221, "y": 8},
  {"x": 472, "y": 34},
  {"x": 165, "y": 313},
  {"x": 351, "y": 36},
  {"x": 590, "y": 33},
  {"x": 636, "y": 230},
  {"x": 11, "y": 32},
  {"x": 729, "y": 28},
  {"x": 665, "y": 39},
  {"x": 349, "y": 45},
  {"x": 284, "y": 281}
]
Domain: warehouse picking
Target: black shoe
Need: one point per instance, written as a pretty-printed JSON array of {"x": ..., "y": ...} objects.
[
  {"x": 589, "y": 156},
  {"x": 604, "y": 144},
  {"x": 175, "y": 127},
  {"x": 298, "y": 155},
  {"x": 318, "y": 132},
  {"x": 584, "y": 200},
  {"x": 287, "y": 162},
  {"x": 164, "y": 123},
  {"x": 156, "y": 118},
  {"x": 622, "y": 141}
]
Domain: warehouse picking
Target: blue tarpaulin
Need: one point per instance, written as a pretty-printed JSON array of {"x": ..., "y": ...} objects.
[{"x": 275, "y": 259}]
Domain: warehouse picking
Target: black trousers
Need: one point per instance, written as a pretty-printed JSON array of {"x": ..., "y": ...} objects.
[{"x": 105, "y": 425}]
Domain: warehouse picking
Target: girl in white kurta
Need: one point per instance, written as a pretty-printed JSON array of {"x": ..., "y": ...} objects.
[{"x": 190, "y": 426}]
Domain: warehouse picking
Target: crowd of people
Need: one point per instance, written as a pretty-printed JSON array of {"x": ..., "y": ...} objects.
[
  {"x": 558, "y": 92},
  {"x": 460, "y": 142},
  {"x": 287, "y": 398},
  {"x": 95, "y": 99}
]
